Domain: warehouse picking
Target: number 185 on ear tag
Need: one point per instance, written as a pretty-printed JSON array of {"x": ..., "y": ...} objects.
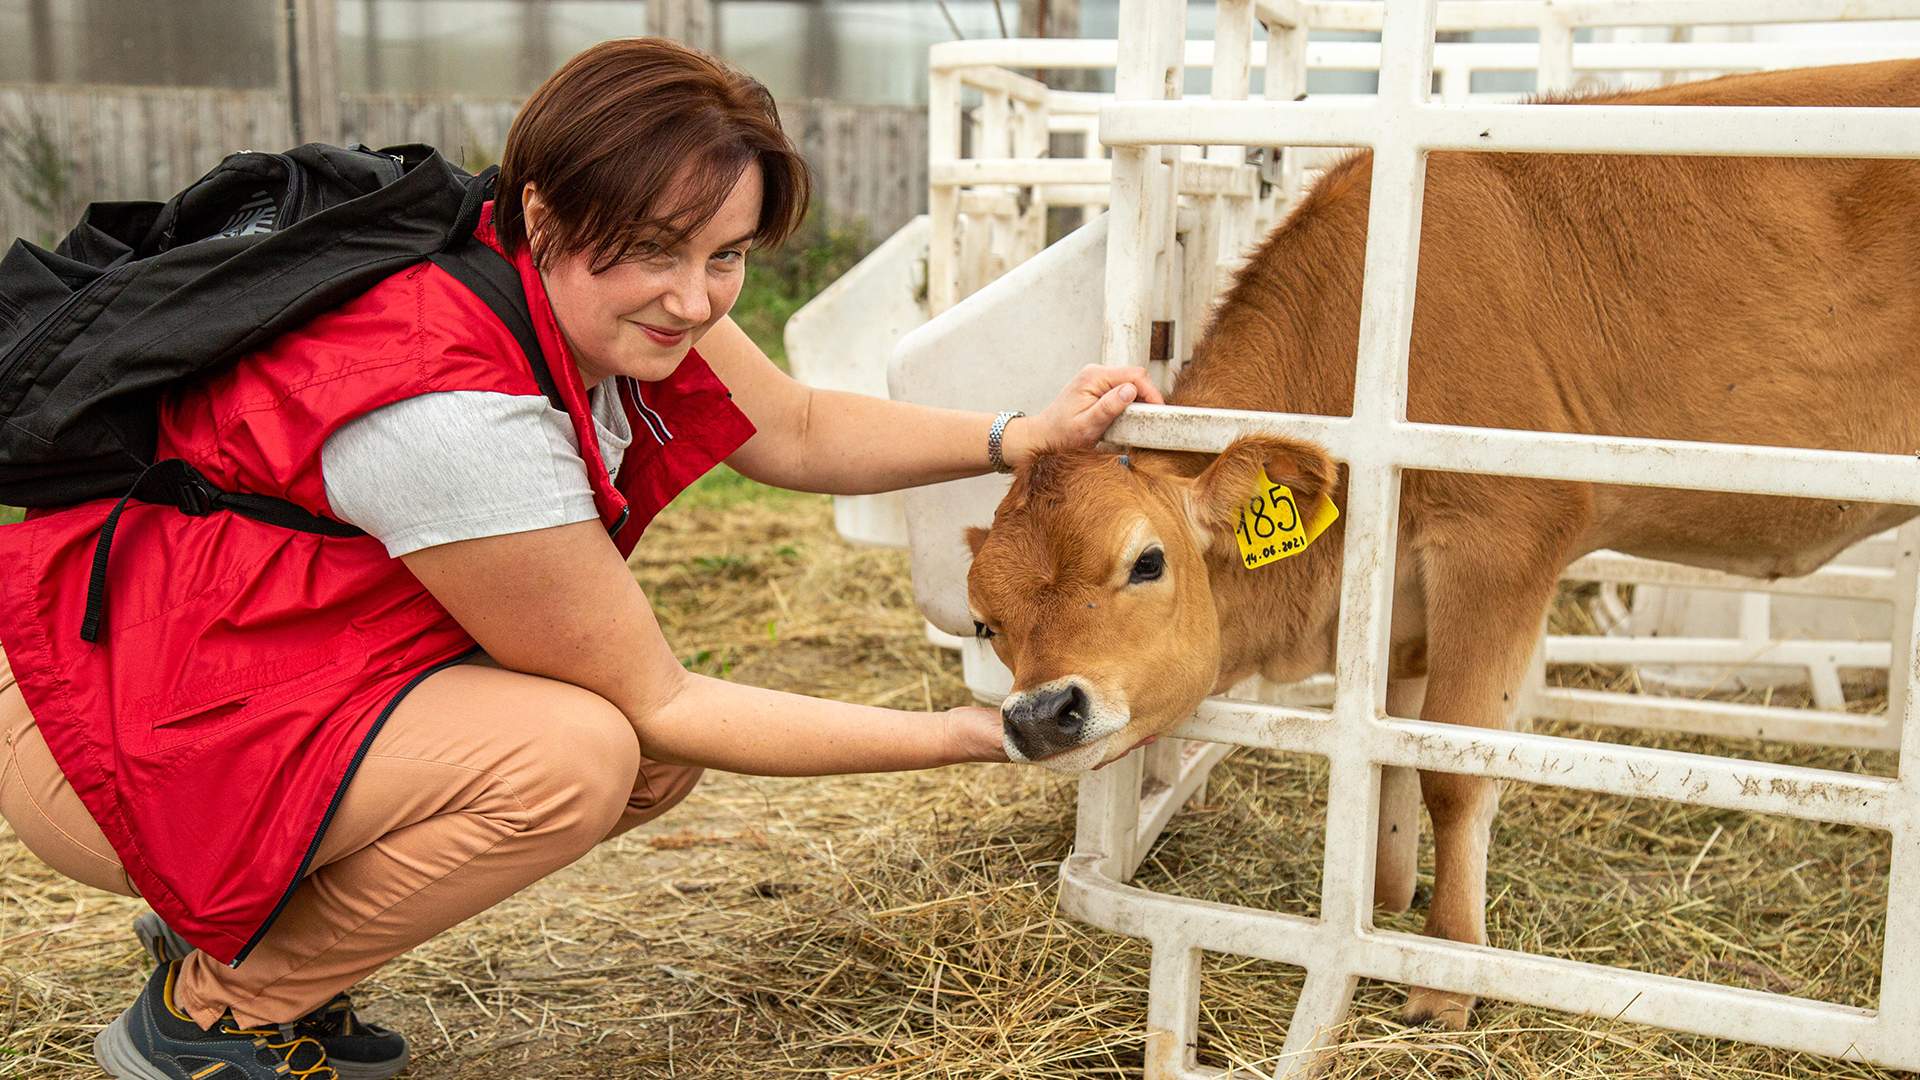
[{"x": 1272, "y": 525}]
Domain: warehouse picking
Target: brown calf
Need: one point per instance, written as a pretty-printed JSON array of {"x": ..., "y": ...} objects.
[{"x": 1722, "y": 299}]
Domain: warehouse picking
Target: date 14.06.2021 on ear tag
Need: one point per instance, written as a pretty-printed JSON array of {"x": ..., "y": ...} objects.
[{"x": 1273, "y": 527}]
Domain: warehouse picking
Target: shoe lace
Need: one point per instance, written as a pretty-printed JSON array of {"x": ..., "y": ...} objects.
[
  {"x": 334, "y": 1018},
  {"x": 289, "y": 1042}
]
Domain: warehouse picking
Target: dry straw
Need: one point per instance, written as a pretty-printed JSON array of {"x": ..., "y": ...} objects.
[{"x": 904, "y": 926}]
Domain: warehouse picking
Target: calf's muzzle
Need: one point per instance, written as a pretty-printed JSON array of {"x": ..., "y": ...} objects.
[{"x": 1041, "y": 723}]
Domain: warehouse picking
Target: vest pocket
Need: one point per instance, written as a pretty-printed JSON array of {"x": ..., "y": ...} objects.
[
  {"x": 204, "y": 719},
  {"x": 252, "y": 694}
]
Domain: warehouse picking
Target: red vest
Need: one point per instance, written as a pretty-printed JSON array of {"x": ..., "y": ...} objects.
[{"x": 244, "y": 668}]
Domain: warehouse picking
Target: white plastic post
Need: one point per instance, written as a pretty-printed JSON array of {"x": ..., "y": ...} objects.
[
  {"x": 1007, "y": 232},
  {"x": 1141, "y": 215},
  {"x": 1373, "y": 493},
  {"x": 1032, "y": 142},
  {"x": 1232, "y": 64},
  {"x": 1173, "y": 1009},
  {"x": 1109, "y": 817},
  {"x": 1285, "y": 79},
  {"x": 1906, "y": 578},
  {"x": 943, "y": 199},
  {"x": 1556, "y": 53},
  {"x": 1899, "y": 1013}
]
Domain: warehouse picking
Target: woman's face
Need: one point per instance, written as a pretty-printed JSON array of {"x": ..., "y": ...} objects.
[{"x": 639, "y": 317}]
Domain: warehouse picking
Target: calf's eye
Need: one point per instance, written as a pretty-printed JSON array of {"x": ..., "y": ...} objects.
[
  {"x": 1148, "y": 567},
  {"x": 982, "y": 630}
]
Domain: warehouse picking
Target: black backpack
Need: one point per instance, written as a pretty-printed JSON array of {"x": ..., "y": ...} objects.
[{"x": 141, "y": 295}]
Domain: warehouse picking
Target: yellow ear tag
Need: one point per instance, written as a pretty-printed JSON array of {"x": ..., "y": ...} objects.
[{"x": 1271, "y": 525}]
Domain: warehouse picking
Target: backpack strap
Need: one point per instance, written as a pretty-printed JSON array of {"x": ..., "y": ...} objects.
[
  {"x": 490, "y": 276},
  {"x": 493, "y": 279},
  {"x": 173, "y": 482},
  {"x": 480, "y": 188}
]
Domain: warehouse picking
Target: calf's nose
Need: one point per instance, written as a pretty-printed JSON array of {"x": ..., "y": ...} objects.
[{"x": 1043, "y": 723}]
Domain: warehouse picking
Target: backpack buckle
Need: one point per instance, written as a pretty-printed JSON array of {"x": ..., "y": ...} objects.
[{"x": 194, "y": 497}]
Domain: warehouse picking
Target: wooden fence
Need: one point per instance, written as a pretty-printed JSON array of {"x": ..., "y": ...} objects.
[{"x": 62, "y": 147}]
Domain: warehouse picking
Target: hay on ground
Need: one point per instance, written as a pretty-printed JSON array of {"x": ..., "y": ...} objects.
[{"x": 904, "y": 926}]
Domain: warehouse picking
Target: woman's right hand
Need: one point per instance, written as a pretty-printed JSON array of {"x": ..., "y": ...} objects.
[
  {"x": 974, "y": 734},
  {"x": 561, "y": 603}
]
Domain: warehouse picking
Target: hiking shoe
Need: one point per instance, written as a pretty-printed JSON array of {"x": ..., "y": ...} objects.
[
  {"x": 356, "y": 1049},
  {"x": 162, "y": 944},
  {"x": 155, "y": 1040}
]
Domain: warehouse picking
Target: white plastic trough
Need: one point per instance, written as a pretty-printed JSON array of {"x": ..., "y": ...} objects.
[{"x": 839, "y": 340}]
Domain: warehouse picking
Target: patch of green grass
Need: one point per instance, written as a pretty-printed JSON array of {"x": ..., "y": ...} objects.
[
  {"x": 710, "y": 662},
  {"x": 763, "y": 313},
  {"x": 37, "y": 172},
  {"x": 723, "y": 487},
  {"x": 781, "y": 280},
  {"x": 720, "y": 564},
  {"x": 11, "y": 514}
]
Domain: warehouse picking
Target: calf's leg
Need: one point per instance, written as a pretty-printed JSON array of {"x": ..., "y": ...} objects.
[
  {"x": 1398, "y": 844},
  {"x": 1484, "y": 612}
]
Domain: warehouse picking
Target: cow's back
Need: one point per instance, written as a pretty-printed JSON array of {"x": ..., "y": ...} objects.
[
  {"x": 1679, "y": 297},
  {"x": 1753, "y": 300}
]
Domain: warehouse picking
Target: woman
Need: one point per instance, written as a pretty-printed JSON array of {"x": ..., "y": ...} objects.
[{"x": 353, "y": 744}]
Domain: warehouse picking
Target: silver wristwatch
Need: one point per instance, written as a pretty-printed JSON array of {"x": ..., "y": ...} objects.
[{"x": 995, "y": 435}]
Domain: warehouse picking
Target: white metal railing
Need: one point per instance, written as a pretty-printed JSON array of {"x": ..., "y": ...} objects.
[
  {"x": 1378, "y": 443},
  {"x": 1752, "y": 646},
  {"x": 1093, "y": 54},
  {"x": 1488, "y": 14}
]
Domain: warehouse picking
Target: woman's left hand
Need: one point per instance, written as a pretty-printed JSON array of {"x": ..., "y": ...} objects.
[{"x": 1082, "y": 413}]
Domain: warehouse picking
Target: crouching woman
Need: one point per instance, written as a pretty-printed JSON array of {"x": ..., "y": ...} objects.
[{"x": 311, "y": 753}]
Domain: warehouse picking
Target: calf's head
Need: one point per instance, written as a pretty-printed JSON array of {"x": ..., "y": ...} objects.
[{"x": 1101, "y": 585}]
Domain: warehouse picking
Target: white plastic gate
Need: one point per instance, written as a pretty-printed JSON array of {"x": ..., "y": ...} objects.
[{"x": 1377, "y": 442}]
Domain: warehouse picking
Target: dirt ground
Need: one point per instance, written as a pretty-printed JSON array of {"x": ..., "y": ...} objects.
[{"x": 903, "y": 926}]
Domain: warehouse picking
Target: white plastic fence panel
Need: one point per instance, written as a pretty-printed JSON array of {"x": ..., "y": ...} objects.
[
  {"x": 1841, "y": 633},
  {"x": 1378, "y": 443}
]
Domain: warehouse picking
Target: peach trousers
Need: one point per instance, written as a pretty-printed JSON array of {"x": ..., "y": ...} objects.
[{"x": 481, "y": 782}]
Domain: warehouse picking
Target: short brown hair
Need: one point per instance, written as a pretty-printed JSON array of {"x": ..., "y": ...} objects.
[{"x": 607, "y": 136}]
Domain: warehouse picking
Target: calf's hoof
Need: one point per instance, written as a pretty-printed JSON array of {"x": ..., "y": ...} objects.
[{"x": 1437, "y": 1008}]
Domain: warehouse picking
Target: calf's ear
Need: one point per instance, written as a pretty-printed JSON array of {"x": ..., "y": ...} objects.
[
  {"x": 1224, "y": 487},
  {"x": 976, "y": 536}
]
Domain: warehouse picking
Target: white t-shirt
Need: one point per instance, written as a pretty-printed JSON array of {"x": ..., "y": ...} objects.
[{"x": 462, "y": 464}]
